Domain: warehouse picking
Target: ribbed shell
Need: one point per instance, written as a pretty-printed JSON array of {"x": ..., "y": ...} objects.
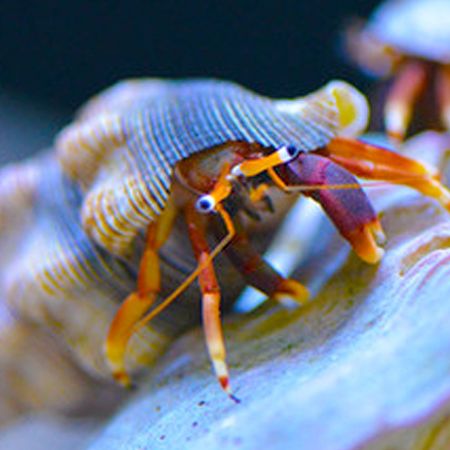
[
  {"x": 54, "y": 275},
  {"x": 109, "y": 178},
  {"x": 127, "y": 141},
  {"x": 419, "y": 28},
  {"x": 195, "y": 116}
]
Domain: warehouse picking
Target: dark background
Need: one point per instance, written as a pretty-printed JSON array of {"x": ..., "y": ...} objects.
[{"x": 59, "y": 53}]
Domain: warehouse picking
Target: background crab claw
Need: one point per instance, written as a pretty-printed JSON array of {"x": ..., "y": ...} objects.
[{"x": 349, "y": 208}]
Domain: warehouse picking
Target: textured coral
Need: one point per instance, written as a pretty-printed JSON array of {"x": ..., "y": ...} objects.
[{"x": 366, "y": 364}]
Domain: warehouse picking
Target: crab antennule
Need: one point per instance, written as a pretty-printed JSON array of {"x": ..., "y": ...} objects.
[
  {"x": 443, "y": 93},
  {"x": 349, "y": 209},
  {"x": 373, "y": 162},
  {"x": 406, "y": 90}
]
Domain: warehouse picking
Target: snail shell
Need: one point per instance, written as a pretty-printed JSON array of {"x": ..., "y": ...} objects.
[
  {"x": 418, "y": 28},
  {"x": 89, "y": 200}
]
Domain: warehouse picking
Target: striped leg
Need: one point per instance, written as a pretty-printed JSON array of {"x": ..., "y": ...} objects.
[
  {"x": 261, "y": 275},
  {"x": 138, "y": 302},
  {"x": 210, "y": 298},
  {"x": 374, "y": 162},
  {"x": 407, "y": 88}
]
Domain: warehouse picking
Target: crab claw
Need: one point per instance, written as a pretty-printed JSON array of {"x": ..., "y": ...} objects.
[{"x": 349, "y": 208}]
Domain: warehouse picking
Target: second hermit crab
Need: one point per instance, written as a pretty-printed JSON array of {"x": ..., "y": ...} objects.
[
  {"x": 150, "y": 165},
  {"x": 409, "y": 41}
]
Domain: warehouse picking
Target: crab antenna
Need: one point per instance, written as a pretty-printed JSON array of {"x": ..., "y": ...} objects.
[{"x": 364, "y": 184}]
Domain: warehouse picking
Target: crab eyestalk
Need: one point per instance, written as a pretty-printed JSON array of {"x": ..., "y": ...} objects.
[{"x": 349, "y": 207}]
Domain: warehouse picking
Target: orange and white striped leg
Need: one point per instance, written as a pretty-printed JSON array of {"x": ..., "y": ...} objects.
[
  {"x": 210, "y": 298},
  {"x": 138, "y": 302}
]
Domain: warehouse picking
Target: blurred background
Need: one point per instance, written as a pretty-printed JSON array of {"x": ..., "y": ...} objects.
[{"x": 55, "y": 54}]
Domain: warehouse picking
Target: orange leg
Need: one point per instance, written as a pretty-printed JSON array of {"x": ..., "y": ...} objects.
[
  {"x": 407, "y": 88},
  {"x": 369, "y": 161},
  {"x": 138, "y": 302},
  {"x": 210, "y": 297},
  {"x": 443, "y": 93},
  {"x": 259, "y": 193}
]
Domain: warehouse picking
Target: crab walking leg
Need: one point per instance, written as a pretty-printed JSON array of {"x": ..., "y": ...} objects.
[
  {"x": 138, "y": 302},
  {"x": 349, "y": 209},
  {"x": 443, "y": 93},
  {"x": 210, "y": 297},
  {"x": 406, "y": 90},
  {"x": 259, "y": 274},
  {"x": 374, "y": 162}
]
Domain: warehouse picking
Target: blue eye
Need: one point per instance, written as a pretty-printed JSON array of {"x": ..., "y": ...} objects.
[
  {"x": 292, "y": 151},
  {"x": 205, "y": 204}
]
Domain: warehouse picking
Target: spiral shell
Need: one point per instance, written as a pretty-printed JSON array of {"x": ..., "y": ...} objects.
[
  {"x": 127, "y": 141},
  {"x": 88, "y": 201}
]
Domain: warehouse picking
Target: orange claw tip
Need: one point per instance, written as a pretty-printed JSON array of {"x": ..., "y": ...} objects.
[
  {"x": 377, "y": 232},
  {"x": 123, "y": 379},
  {"x": 291, "y": 290},
  {"x": 371, "y": 255},
  {"x": 364, "y": 242},
  {"x": 444, "y": 198},
  {"x": 435, "y": 189}
]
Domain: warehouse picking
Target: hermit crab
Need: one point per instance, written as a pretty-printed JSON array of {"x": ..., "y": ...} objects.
[
  {"x": 408, "y": 40},
  {"x": 149, "y": 165}
]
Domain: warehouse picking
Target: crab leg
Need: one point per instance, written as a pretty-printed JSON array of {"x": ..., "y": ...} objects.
[
  {"x": 407, "y": 88},
  {"x": 138, "y": 302},
  {"x": 374, "y": 162},
  {"x": 210, "y": 297},
  {"x": 443, "y": 93},
  {"x": 259, "y": 274},
  {"x": 349, "y": 209}
]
